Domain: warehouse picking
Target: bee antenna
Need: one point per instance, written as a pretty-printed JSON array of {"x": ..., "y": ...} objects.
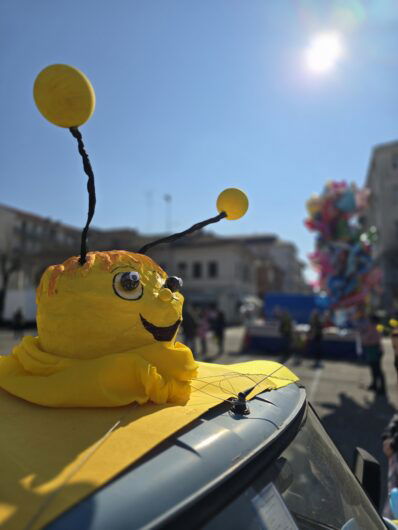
[
  {"x": 91, "y": 191},
  {"x": 178, "y": 235}
]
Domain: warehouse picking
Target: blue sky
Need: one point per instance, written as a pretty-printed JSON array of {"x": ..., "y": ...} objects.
[{"x": 193, "y": 97}]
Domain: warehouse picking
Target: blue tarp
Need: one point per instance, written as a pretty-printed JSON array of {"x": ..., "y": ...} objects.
[{"x": 299, "y": 306}]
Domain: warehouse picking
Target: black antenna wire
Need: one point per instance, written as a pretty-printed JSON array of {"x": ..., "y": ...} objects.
[
  {"x": 173, "y": 237},
  {"x": 91, "y": 191}
]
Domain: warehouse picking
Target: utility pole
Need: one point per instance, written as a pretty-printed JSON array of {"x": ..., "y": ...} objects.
[{"x": 168, "y": 201}]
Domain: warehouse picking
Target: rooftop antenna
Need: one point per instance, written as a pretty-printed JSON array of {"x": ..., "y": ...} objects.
[
  {"x": 239, "y": 405},
  {"x": 168, "y": 201},
  {"x": 65, "y": 97}
]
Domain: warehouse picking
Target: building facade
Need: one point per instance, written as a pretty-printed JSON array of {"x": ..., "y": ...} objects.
[
  {"x": 382, "y": 212},
  {"x": 215, "y": 271},
  {"x": 219, "y": 271},
  {"x": 285, "y": 270}
]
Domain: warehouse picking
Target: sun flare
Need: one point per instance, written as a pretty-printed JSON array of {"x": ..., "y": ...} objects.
[{"x": 324, "y": 52}]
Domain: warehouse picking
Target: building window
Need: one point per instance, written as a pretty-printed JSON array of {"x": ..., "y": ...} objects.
[
  {"x": 182, "y": 269},
  {"x": 212, "y": 269},
  {"x": 394, "y": 194},
  {"x": 245, "y": 273},
  {"x": 197, "y": 269}
]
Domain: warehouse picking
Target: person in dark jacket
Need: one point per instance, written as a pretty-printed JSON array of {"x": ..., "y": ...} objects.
[
  {"x": 18, "y": 323},
  {"x": 286, "y": 332},
  {"x": 373, "y": 352},
  {"x": 218, "y": 325},
  {"x": 315, "y": 336},
  {"x": 390, "y": 448},
  {"x": 190, "y": 327},
  {"x": 394, "y": 339}
]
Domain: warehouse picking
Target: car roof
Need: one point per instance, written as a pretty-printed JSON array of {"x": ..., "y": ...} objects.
[{"x": 181, "y": 470}]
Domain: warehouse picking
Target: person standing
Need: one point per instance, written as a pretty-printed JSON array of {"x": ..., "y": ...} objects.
[
  {"x": 189, "y": 327},
  {"x": 286, "y": 332},
  {"x": 372, "y": 350},
  {"x": 390, "y": 449},
  {"x": 315, "y": 336},
  {"x": 218, "y": 324},
  {"x": 203, "y": 329},
  {"x": 394, "y": 340},
  {"x": 18, "y": 323}
]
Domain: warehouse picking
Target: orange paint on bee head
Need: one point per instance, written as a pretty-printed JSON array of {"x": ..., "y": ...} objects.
[
  {"x": 80, "y": 312},
  {"x": 104, "y": 260}
]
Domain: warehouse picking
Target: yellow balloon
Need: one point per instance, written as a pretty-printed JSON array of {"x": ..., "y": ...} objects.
[
  {"x": 233, "y": 202},
  {"x": 165, "y": 295},
  {"x": 64, "y": 95},
  {"x": 313, "y": 205}
]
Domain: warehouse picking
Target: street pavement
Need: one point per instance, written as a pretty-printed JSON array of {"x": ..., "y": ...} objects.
[{"x": 352, "y": 415}]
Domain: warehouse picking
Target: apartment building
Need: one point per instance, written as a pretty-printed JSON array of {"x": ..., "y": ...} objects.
[
  {"x": 216, "y": 270},
  {"x": 382, "y": 212}
]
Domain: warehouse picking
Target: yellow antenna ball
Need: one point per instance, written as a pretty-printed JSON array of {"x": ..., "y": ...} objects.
[
  {"x": 64, "y": 95},
  {"x": 165, "y": 295},
  {"x": 233, "y": 202}
]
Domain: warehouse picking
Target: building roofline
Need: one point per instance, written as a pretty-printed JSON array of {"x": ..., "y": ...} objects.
[
  {"x": 376, "y": 149},
  {"x": 93, "y": 229},
  {"x": 38, "y": 218},
  {"x": 385, "y": 145}
]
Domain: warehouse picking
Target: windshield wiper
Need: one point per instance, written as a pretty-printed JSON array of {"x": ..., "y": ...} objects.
[{"x": 318, "y": 524}]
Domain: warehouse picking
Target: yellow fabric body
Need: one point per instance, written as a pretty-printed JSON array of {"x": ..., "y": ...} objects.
[
  {"x": 51, "y": 458},
  {"x": 139, "y": 375},
  {"x": 100, "y": 344}
]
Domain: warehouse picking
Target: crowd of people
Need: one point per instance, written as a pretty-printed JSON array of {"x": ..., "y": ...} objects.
[
  {"x": 313, "y": 339},
  {"x": 201, "y": 324},
  {"x": 370, "y": 333},
  {"x": 390, "y": 436},
  {"x": 197, "y": 326}
]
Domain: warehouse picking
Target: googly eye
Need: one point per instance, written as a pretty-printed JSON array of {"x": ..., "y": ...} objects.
[
  {"x": 173, "y": 283},
  {"x": 127, "y": 285}
]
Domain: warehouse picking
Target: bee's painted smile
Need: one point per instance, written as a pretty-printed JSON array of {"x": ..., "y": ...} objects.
[{"x": 161, "y": 333}]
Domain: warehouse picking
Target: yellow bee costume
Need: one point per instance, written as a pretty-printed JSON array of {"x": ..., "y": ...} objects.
[
  {"x": 106, "y": 332},
  {"x": 106, "y": 321}
]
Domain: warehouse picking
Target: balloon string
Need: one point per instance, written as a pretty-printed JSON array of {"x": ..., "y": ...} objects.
[
  {"x": 91, "y": 191},
  {"x": 193, "y": 228}
]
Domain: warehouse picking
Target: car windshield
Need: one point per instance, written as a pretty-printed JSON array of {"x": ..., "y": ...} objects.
[{"x": 309, "y": 486}]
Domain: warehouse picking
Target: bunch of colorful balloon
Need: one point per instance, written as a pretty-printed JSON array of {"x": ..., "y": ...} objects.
[{"x": 342, "y": 256}]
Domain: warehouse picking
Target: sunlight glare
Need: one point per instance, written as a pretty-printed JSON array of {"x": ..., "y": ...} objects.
[{"x": 324, "y": 52}]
